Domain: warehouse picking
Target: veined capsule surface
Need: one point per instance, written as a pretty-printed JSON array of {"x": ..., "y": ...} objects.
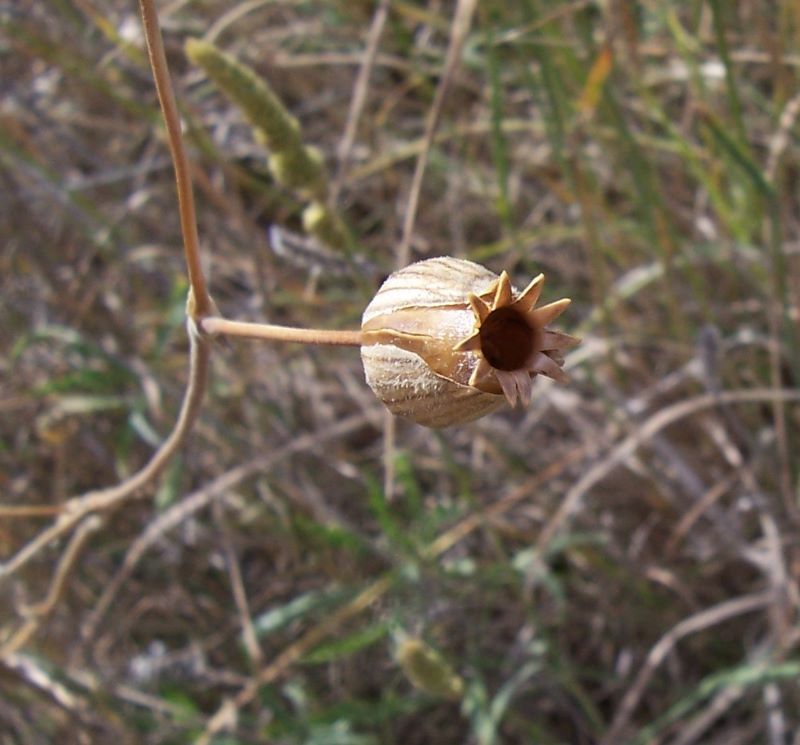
[{"x": 446, "y": 341}]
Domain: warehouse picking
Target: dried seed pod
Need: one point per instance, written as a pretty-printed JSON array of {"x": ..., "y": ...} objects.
[{"x": 446, "y": 341}]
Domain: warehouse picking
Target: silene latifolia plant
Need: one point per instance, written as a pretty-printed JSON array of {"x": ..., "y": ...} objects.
[{"x": 444, "y": 341}]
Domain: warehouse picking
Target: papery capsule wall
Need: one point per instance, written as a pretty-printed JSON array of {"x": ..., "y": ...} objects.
[
  {"x": 429, "y": 283},
  {"x": 439, "y": 288},
  {"x": 408, "y": 388}
]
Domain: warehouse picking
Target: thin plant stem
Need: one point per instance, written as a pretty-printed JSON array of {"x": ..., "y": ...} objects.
[
  {"x": 200, "y": 303},
  {"x": 646, "y": 431},
  {"x": 460, "y": 28},
  {"x": 359, "y": 96},
  {"x": 214, "y": 326},
  {"x": 38, "y": 613}
]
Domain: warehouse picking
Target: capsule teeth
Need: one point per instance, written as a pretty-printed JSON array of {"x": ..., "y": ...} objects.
[
  {"x": 504, "y": 291},
  {"x": 470, "y": 344},
  {"x": 517, "y": 386},
  {"x": 482, "y": 371},
  {"x": 558, "y": 340},
  {"x": 480, "y": 308},
  {"x": 530, "y": 295},
  {"x": 413, "y": 360},
  {"x": 548, "y": 313},
  {"x": 490, "y": 291},
  {"x": 547, "y": 366}
]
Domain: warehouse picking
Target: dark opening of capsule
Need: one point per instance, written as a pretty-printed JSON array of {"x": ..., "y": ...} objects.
[{"x": 507, "y": 342}]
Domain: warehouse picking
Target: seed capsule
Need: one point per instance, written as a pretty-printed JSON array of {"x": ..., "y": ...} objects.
[{"x": 446, "y": 341}]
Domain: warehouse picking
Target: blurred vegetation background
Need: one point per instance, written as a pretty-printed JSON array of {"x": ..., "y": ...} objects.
[{"x": 617, "y": 564}]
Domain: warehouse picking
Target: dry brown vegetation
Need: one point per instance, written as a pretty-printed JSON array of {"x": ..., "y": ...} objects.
[{"x": 617, "y": 564}]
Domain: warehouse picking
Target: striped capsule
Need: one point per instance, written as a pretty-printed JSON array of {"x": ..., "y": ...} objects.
[{"x": 446, "y": 341}]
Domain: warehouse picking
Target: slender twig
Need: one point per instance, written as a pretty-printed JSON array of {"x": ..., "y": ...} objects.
[
  {"x": 698, "y": 622},
  {"x": 249, "y": 636},
  {"x": 199, "y": 304},
  {"x": 31, "y": 510},
  {"x": 782, "y": 137},
  {"x": 37, "y": 613},
  {"x": 215, "y": 326},
  {"x": 460, "y": 27},
  {"x": 198, "y": 500},
  {"x": 649, "y": 429},
  {"x": 202, "y": 304},
  {"x": 35, "y": 674},
  {"x": 776, "y": 307},
  {"x": 698, "y": 508},
  {"x": 359, "y": 96}
]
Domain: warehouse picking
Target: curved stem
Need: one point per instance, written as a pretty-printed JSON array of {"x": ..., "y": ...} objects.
[
  {"x": 102, "y": 499},
  {"x": 201, "y": 304},
  {"x": 214, "y": 326},
  {"x": 38, "y": 613}
]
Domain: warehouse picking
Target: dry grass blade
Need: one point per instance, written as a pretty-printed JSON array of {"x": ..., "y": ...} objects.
[
  {"x": 781, "y": 138},
  {"x": 199, "y": 500},
  {"x": 360, "y": 89},
  {"x": 249, "y": 638},
  {"x": 698, "y": 622},
  {"x": 659, "y": 421},
  {"x": 462, "y": 19},
  {"x": 39, "y": 679}
]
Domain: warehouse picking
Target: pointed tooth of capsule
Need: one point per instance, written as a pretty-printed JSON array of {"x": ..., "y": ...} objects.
[
  {"x": 480, "y": 308},
  {"x": 524, "y": 386},
  {"x": 548, "y": 313},
  {"x": 530, "y": 295},
  {"x": 504, "y": 291},
  {"x": 482, "y": 370},
  {"x": 517, "y": 386},
  {"x": 558, "y": 340},
  {"x": 549, "y": 367},
  {"x": 471, "y": 344}
]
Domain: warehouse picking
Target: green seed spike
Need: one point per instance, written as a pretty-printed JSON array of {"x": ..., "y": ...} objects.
[
  {"x": 428, "y": 671},
  {"x": 276, "y": 127},
  {"x": 301, "y": 169}
]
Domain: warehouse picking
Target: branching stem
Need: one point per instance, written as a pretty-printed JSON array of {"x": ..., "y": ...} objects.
[{"x": 104, "y": 499}]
